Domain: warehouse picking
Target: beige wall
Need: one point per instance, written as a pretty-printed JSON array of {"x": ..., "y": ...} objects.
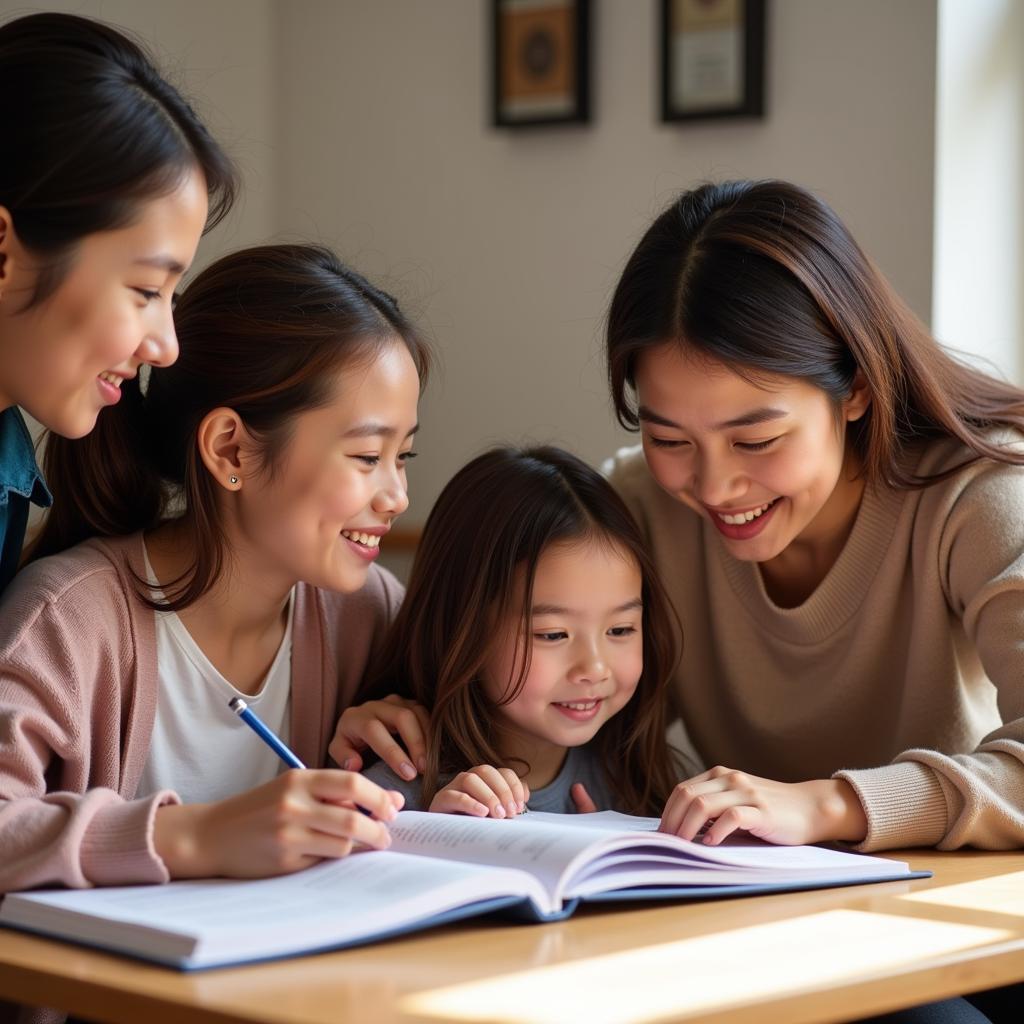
[
  {"x": 363, "y": 123},
  {"x": 509, "y": 244},
  {"x": 223, "y": 56}
]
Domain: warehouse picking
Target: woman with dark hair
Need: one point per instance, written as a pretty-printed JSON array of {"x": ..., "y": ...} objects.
[
  {"x": 224, "y": 547},
  {"x": 536, "y": 633},
  {"x": 107, "y": 179},
  {"x": 836, "y": 505}
]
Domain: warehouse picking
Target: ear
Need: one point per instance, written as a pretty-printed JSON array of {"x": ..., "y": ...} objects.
[
  {"x": 8, "y": 245},
  {"x": 221, "y": 438},
  {"x": 858, "y": 400}
]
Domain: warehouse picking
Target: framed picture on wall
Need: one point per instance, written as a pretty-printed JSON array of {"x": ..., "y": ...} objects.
[
  {"x": 541, "y": 62},
  {"x": 712, "y": 59}
]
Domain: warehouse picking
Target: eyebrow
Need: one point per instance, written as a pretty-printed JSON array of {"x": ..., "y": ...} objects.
[
  {"x": 650, "y": 416},
  {"x": 168, "y": 263},
  {"x": 556, "y": 609},
  {"x": 376, "y": 430},
  {"x": 762, "y": 415}
]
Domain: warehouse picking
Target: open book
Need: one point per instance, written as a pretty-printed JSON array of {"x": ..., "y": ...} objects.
[{"x": 440, "y": 868}]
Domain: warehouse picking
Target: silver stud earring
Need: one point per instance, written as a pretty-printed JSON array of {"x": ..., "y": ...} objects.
[{"x": 233, "y": 479}]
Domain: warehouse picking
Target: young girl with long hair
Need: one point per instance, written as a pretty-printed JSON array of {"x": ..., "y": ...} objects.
[
  {"x": 837, "y": 506},
  {"x": 537, "y": 636},
  {"x": 224, "y": 545},
  {"x": 106, "y": 183}
]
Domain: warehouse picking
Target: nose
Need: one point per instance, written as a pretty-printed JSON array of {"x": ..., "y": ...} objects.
[
  {"x": 160, "y": 345},
  {"x": 589, "y": 664},
  {"x": 716, "y": 480},
  {"x": 392, "y": 497}
]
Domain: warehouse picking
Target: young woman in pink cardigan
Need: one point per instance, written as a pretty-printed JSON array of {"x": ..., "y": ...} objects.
[{"x": 226, "y": 519}]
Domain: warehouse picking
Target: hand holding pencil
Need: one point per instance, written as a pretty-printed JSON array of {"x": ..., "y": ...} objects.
[{"x": 290, "y": 823}]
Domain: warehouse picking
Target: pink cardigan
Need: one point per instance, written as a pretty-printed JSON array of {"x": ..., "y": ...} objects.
[{"x": 78, "y": 694}]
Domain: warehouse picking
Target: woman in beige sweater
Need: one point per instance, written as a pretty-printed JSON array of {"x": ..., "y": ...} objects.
[{"x": 837, "y": 508}]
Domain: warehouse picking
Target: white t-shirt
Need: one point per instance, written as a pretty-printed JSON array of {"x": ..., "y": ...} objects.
[{"x": 200, "y": 748}]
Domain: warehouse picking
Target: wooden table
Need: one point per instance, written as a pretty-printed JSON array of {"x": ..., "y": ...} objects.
[{"x": 828, "y": 955}]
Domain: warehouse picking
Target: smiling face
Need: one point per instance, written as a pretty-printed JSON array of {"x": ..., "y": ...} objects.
[
  {"x": 586, "y": 653},
  {"x": 764, "y": 463},
  {"x": 320, "y": 513},
  {"x": 64, "y": 359}
]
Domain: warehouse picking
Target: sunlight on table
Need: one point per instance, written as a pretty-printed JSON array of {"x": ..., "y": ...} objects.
[
  {"x": 1003, "y": 894},
  {"x": 725, "y": 968}
]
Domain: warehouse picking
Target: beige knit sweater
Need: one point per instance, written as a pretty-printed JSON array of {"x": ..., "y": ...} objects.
[{"x": 902, "y": 673}]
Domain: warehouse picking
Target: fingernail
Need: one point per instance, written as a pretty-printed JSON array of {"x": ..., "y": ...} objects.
[
  {"x": 406, "y": 770},
  {"x": 482, "y": 810},
  {"x": 522, "y": 806},
  {"x": 511, "y": 808},
  {"x": 499, "y": 811},
  {"x": 421, "y": 763},
  {"x": 346, "y": 763}
]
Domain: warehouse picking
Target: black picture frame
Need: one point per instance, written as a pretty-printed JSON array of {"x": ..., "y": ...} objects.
[
  {"x": 723, "y": 96},
  {"x": 540, "y": 63}
]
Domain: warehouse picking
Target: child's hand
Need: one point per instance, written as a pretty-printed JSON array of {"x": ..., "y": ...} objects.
[
  {"x": 372, "y": 725},
  {"x": 483, "y": 791},
  {"x": 788, "y": 813},
  {"x": 285, "y": 825},
  {"x": 581, "y": 798}
]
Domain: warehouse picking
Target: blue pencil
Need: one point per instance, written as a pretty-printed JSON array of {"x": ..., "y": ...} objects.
[{"x": 247, "y": 715}]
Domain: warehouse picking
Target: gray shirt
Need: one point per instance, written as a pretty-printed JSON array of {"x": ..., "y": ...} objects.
[{"x": 581, "y": 765}]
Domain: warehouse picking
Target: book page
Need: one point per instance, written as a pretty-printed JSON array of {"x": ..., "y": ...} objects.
[
  {"x": 545, "y": 845},
  {"x": 612, "y": 822},
  {"x": 573, "y": 854},
  {"x": 740, "y": 850}
]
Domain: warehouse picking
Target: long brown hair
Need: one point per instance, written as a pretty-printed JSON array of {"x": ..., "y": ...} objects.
[
  {"x": 487, "y": 531},
  {"x": 763, "y": 276},
  {"x": 263, "y": 331}
]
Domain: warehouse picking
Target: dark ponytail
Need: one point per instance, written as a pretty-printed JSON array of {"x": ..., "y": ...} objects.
[
  {"x": 90, "y": 131},
  {"x": 263, "y": 331}
]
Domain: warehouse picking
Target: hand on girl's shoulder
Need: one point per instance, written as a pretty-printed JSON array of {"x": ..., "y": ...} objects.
[
  {"x": 374, "y": 725},
  {"x": 483, "y": 791}
]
